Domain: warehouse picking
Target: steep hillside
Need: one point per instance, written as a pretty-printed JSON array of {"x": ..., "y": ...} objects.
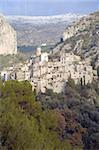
[{"x": 82, "y": 38}]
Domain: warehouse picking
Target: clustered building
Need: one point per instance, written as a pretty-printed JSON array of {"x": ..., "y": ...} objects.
[{"x": 51, "y": 71}]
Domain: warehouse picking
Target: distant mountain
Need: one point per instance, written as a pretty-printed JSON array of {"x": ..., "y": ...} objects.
[
  {"x": 33, "y": 31},
  {"x": 39, "y": 20},
  {"x": 82, "y": 38}
]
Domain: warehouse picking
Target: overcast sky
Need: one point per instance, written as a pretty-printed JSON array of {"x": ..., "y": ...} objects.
[{"x": 47, "y": 7}]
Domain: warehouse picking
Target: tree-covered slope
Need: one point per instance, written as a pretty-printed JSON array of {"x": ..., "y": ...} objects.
[
  {"x": 49, "y": 121},
  {"x": 23, "y": 123}
]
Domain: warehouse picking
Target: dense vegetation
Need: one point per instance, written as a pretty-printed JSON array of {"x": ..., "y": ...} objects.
[
  {"x": 79, "y": 107},
  {"x": 23, "y": 123},
  {"x": 68, "y": 121}
]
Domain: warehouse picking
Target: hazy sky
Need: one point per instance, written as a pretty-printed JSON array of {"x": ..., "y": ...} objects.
[{"x": 47, "y": 7}]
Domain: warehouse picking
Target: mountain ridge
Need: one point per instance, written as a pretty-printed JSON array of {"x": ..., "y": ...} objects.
[{"x": 45, "y": 19}]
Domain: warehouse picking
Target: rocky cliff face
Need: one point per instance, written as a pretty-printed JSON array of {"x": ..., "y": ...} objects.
[
  {"x": 82, "y": 38},
  {"x": 8, "y": 40}
]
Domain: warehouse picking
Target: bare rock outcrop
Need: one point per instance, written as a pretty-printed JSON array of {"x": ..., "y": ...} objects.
[{"x": 8, "y": 38}]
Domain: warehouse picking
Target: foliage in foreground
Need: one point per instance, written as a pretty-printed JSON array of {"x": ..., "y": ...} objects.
[
  {"x": 24, "y": 125},
  {"x": 50, "y": 121}
]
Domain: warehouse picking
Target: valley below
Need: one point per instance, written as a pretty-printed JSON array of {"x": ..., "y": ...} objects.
[{"x": 35, "y": 31}]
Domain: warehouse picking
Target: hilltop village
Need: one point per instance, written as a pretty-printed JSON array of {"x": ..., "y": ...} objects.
[{"x": 51, "y": 71}]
